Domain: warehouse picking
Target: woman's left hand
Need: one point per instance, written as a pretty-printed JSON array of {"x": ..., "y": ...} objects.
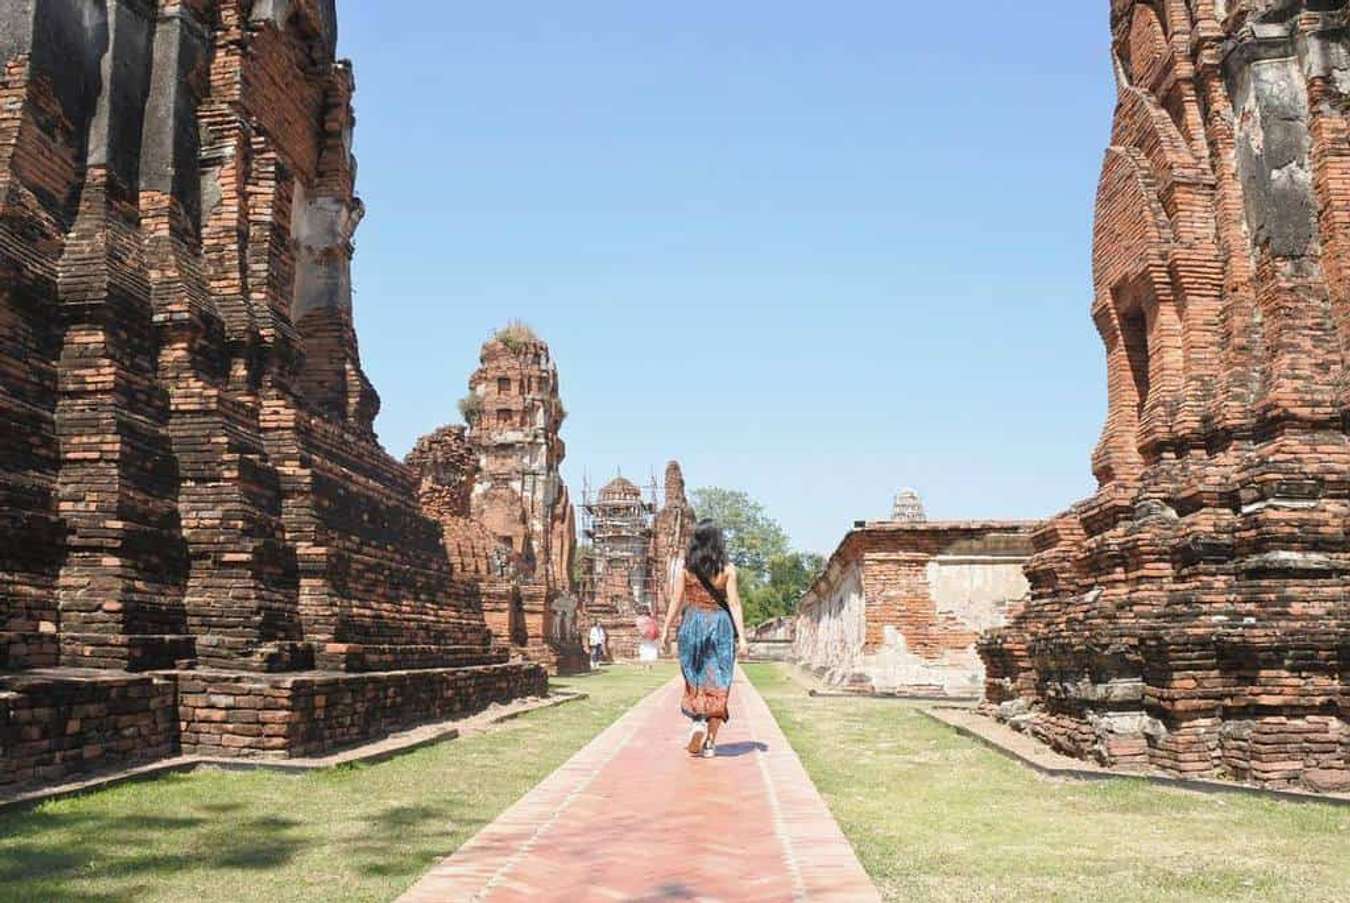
[{"x": 743, "y": 648}]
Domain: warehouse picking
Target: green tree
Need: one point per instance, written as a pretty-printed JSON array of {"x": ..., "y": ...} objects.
[
  {"x": 772, "y": 576},
  {"x": 753, "y": 538}
]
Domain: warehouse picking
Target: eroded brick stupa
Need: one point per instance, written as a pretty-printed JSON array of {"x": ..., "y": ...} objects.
[
  {"x": 205, "y": 547},
  {"x": 497, "y": 490},
  {"x": 1191, "y": 616}
]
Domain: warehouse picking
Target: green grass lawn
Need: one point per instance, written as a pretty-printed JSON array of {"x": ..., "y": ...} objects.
[
  {"x": 354, "y": 833},
  {"x": 934, "y": 816}
]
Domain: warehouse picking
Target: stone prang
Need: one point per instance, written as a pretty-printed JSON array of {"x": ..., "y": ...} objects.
[
  {"x": 200, "y": 526},
  {"x": 1192, "y": 615}
]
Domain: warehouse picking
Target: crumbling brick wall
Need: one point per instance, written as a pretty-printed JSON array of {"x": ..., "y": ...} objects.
[
  {"x": 1191, "y": 616},
  {"x": 900, "y": 605}
]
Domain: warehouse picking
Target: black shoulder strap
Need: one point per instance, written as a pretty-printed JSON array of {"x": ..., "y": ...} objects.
[{"x": 720, "y": 598}]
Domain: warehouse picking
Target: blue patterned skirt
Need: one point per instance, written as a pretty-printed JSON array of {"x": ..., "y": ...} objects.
[{"x": 708, "y": 660}]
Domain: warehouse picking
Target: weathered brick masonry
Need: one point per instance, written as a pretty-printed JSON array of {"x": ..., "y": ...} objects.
[
  {"x": 901, "y": 604},
  {"x": 672, "y": 529},
  {"x": 308, "y": 713},
  {"x": 189, "y": 474},
  {"x": 1192, "y": 615},
  {"x": 497, "y": 490},
  {"x": 55, "y": 722}
]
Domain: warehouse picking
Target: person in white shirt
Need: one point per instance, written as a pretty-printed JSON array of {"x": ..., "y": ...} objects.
[{"x": 597, "y": 645}]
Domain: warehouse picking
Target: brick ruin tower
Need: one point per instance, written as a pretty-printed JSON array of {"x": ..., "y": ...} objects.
[
  {"x": 672, "y": 529},
  {"x": 197, "y": 512},
  {"x": 497, "y": 490},
  {"x": 1191, "y": 616}
]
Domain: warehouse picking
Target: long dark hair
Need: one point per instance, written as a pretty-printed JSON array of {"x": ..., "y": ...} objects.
[{"x": 707, "y": 555}]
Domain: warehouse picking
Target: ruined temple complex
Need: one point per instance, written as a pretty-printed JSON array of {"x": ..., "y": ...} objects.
[
  {"x": 206, "y": 548},
  {"x": 635, "y": 543},
  {"x": 497, "y": 491},
  {"x": 1191, "y": 616}
]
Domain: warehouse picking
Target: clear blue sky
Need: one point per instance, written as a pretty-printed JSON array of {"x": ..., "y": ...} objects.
[{"x": 815, "y": 251}]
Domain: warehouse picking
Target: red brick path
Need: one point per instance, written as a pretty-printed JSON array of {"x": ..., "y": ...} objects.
[{"x": 634, "y": 817}]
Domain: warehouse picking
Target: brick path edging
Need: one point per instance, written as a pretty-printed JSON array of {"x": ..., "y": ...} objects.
[
  {"x": 990, "y": 736},
  {"x": 381, "y": 750}
]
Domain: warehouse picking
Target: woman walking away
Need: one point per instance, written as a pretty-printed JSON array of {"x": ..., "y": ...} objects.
[{"x": 711, "y": 630}]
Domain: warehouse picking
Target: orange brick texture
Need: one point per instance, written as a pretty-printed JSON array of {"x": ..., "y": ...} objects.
[
  {"x": 1192, "y": 616},
  {"x": 189, "y": 474},
  {"x": 672, "y": 529},
  {"x": 497, "y": 491}
]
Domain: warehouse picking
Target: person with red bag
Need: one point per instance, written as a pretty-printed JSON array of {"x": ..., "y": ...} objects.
[{"x": 648, "y": 633}]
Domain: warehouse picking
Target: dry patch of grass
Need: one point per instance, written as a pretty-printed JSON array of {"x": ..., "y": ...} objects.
[
  {"x": 934, "y": 816},
  {"x": 354, "y": 833}
]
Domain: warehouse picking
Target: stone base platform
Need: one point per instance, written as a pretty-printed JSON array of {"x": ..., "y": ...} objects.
[
  {"x": 289, "y": 715},
  {"x": 1041, "y": 758},
  {"x": 371, "y": 753},
  {"x": 770, "y": 651},
  {"x": 62, "y": 721},
  {"x": 557, "y": 658},
  {"x": 827, "y": 682},
  {"x": 59, "y": 724}
]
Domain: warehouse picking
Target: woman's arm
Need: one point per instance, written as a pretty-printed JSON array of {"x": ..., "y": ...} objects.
[
  {"x": 734, "y": 603},
  {"x": 676, "y": 603}
]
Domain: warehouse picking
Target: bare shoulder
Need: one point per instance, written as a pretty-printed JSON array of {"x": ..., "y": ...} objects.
[{"x": 729, "y": 575}]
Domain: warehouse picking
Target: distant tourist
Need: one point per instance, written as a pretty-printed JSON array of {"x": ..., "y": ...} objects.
[
  {"x": 597, "y": 645},
  {"x": 711, "y": 630},
  {"x": 648, "y": 633}
]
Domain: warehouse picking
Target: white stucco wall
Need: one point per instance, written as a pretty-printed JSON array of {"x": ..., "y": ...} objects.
[
  {"x": 976, "y": 589},
  {"x": 831, "y": 627},
  {"x": 968, "y": 594}
]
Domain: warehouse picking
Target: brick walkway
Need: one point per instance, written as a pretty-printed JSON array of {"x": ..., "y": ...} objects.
[{"x": 633, "y": 817}]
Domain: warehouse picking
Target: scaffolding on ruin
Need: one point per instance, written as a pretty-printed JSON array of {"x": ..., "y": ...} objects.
[{"x": 618, "y": 535}]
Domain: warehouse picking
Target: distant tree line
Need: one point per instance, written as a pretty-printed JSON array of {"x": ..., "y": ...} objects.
[{"x": 771, "y": 574}]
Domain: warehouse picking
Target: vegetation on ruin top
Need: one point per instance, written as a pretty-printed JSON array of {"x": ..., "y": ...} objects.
[
  {"x": 935, "y": 816},
  {"x": 353, "y": 833},
  {"x": 515, "y": 336}
]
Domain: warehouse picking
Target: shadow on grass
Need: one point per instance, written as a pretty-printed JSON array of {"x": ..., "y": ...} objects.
[
  {"x": 403, "y": 841},
  {"x": 49, "y": 855},
  {"x": 46, "y": 854}
]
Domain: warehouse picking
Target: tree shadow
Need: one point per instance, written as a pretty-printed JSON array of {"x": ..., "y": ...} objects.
[
  {"x": 52, "y": 855},
  {"x": 403, "y": 841}
]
